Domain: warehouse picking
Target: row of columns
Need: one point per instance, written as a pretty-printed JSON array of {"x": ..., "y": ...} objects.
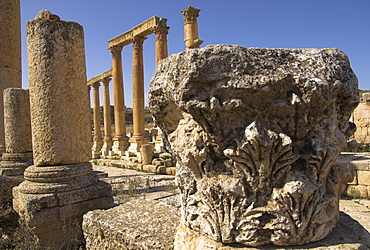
[
  {"x": 101, "y": 144},
  {"x": 120, "y": 140}
]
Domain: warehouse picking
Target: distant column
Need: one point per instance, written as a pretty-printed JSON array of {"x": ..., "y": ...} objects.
[
  {"x": 10, "y": 54},
  {"x": 138, "y": 137},
  {"x": 91, "y": 116},
  {"x": 97, "y": 141},
  {"x": 120, "y": 140},
  {"x": 161, "y": 49},
  {"x": 191, "y": 28},
  {"x": 107, "y": 141}
]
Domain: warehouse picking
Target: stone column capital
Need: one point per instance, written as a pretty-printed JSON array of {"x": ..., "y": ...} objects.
[
  {"x": 116, "y": 51},
  {"x": 96, "y": 85},
  {"x": 190, "y": 14},
  {"x": 106, "y": 81},
  {"x": 161, "y": 32},
  {"x": 137, "y": 42}
]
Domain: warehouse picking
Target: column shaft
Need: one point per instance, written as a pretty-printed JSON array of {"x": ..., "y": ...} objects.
[
  {"x": 121, "y": 141},
  {"x": 138, "y": 137},
  {"x": 10, "y": 51},
  {"x": 107, "y": 145},
  {"x": 60, "y": 187},
  {"x": 91, "y": 116},
  {"x": 161, "y": 50},
  {"x": 138, "y": 85},
  {"x": 18, "y": 137},
  {"x": 97, "y": 122}
]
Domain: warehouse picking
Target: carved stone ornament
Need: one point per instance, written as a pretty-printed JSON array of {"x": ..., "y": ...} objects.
[
  {"x": 190, "y": 14},
  {"x": 116, "y": 51},
  {"x": 161, "y": 32},
  {"x": 138, "y": 41},
  {"x": 256, "y": 133}
]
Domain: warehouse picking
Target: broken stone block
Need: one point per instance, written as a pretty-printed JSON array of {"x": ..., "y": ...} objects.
[{"x": 256, "y": 133}]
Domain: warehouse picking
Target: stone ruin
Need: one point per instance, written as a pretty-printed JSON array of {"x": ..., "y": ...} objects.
[
  {"x": 18, "y": 138},
  {"x": 256, "y": 133},
  {"x": 60, "y": 186}
]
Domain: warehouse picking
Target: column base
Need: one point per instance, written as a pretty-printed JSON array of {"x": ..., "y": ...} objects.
[
  {"x": 136, "y": 141},
  {"x": 53, "y": 199},
  {"x": 120, "y": 144},
  {"x": 107, "y": 146},
  {"x": 2, "y": 149},
  {"x": 6, "y": 186},
  {"x": 97, "y": 145},
  {"x": 158, "y": 147},
  {"x": 14, "y": 164}
]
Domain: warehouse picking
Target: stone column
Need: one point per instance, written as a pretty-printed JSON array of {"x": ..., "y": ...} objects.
[
  {"x": 97, "y": 141},
  {"x": 18, "y": 155},
  {"x": 60, "y": 187},
  {"x": 120, "y": 140},
  {"x": 91, "y": 116},
  {"x": 191, "y": 28},
  {"x": 10, "y": 51},
  {"x": 107, "y": 144},
  {"x": 161, "y": 49},
  {"x": 138, "y": 138},
  {"x": 17, "y": 117}
]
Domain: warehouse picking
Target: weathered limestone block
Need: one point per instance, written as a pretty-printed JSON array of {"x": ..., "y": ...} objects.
[
  {"x": 136, "y": 224},
  {"x": 146, "y": 153},
  {"x": 256, "y": 133},
  {"x": 60, "y": 187},
  {"x": 10, "y": 51},
  {"x": 18, "y": 135}
]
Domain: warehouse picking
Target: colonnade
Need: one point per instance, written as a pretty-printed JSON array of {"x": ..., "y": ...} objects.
[
  {"x": 101, "y": 144},
  {"x": 120, "y": 142}
]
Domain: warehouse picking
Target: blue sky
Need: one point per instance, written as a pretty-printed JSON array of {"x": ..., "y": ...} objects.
[{"x": 342, "y": 24}]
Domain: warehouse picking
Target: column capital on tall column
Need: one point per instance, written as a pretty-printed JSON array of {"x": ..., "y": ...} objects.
[
  {"x": 137, "y": 42},
  {"x": 106, "y": 81},
  {"x": 190, "y": 14},
  {"x": 161, "y": 32},
  {"x": 191, "y": 28},
  {"x": 96, "y": 85},
  {"x": 116, "y": 51}
]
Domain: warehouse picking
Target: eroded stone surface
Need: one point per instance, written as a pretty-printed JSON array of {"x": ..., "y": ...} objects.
[
  {"x": 256, "y": 133},
  {"x": 60, "y": 187},
  {"x": 57, "y": 80},
  {"x": 18, "y": 136},
  {"x": 10, "y": 51},
  {"x": 17, "y": 118},
  {"x": 137, "y": 224},
  {"x": 348, "y": 234}
]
